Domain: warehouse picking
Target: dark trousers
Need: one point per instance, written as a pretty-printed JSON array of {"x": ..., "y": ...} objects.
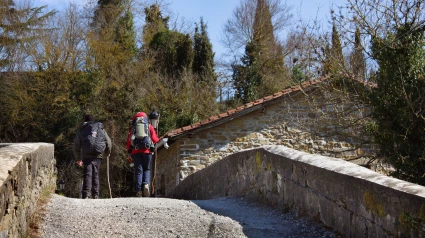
[
  {"x": 142, "y": 169},
  {"x": 91, "y": 177}
]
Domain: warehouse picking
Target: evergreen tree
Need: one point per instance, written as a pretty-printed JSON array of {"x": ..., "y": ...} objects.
[
  {"x": 275, "y": 74},
  {"x": 398, "y": 100},
  {"x": 263, "y": 33},
  {"x": 203, "y": 60},
  {"x": 171, "y": 51},
  {"x": 114, "y": 22},
  {"x": 269, "y": 51},
  {"x": 326, "y": 64},
  {"x": 337, "y": 55},
  {"x": 263, "y": 60},
  {"x": 334, "y": 58},
  {"x": 247, "y": 77},
  {"x": 18, "y": 28},
  {"x": 358, "y": 65},
  {"x": 174, "y": 52},
  {"x": 154, "y": 23},
  {"x": 126, "y": 34}
]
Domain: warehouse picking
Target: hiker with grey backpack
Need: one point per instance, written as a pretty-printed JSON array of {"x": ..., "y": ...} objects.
[
  {"x": 91, "y": 144},
  {"x": 140, "y": 145}
]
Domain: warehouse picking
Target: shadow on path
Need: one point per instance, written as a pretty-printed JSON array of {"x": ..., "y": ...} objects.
[{"x": 259, "y": 220}]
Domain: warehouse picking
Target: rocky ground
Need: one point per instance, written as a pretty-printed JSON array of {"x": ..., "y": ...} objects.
[{"x": 162, "y": 217}]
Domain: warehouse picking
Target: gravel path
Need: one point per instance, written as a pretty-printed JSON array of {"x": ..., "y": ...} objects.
[{"x": 162, "y": 217}]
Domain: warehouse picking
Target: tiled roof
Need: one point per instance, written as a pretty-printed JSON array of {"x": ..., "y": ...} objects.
[
  {"x": 239, "y": 111},
  {"x": 232, "y": 113}
]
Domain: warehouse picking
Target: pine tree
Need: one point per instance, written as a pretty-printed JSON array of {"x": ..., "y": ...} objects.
[
  {"x": 174, "y": 52},
  {"x": 203, "y": 60},
  {"x": 262, "y": 66},
  {"x": 398, "y": 100},
  {"x": 171, "y": 51},
  {"x": 327, "y": 62},
  {"x": 126, "y": 34},
  {"x": 269, "y": 53},
  {"x": 334, "y": 58},
  {"x": 18, "y": 28},
  {"x": 154, "y": 23},
  {"x": 246, "y": 76},
  {"x": 337, "y": 56},
  {"x": 263, "y": 33},
  {"x": 358, "y": 65},
  {"x": 114, "y": 22}
]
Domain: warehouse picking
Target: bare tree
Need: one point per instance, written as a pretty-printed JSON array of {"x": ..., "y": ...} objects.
[
  {"x": 64, "y": 45},
  {"x": 335, "y": 111},
  {"x": 303, "y": 53},
  {"x": 239, "y": 29}
]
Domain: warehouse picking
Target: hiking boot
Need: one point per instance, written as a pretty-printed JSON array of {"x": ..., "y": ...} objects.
[
  {"x": 139, "y": 194},
  {"x": 146, "y": 190}
]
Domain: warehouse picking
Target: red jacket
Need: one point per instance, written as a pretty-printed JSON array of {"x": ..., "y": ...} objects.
[{"x": 152, "y": 132}]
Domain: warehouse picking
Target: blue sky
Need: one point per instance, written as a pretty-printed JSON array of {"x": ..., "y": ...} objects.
[{"x": 216, "y": 12}]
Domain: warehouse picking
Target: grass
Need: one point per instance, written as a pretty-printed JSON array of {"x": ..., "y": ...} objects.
[{"x": 36, "y": 219}]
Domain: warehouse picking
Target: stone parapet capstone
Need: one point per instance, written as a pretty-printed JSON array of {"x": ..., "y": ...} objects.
[
  {"x": 26, "y": 169},
  {"x": 351, "y": 199}
]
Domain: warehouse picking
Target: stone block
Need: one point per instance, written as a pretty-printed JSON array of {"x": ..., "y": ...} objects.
[
  {"x": 26, "y": 170},
  {"x": 353, "y": 200}
]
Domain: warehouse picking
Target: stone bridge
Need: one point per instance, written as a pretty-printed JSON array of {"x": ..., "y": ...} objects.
[{"x": 353, "y": 200}]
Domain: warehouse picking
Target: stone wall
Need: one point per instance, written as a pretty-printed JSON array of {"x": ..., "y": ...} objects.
[
  {"x": 165, "y": 181},
  {"x": 351, "y": 199},
  {"x": 26, "y": 169},
  {"x": 288, "y": 122}
]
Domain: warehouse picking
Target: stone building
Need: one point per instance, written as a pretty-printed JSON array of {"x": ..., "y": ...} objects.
[{"x": 307, "y": 117}]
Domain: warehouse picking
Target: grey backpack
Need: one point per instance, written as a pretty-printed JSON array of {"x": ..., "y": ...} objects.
[
  {"x": 93, "y": 138},
  {"x": 140, "y": 137}
]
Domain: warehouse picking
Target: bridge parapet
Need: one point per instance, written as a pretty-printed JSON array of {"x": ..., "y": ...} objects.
[
  {"x": 351, "y": 199},
  {"x": 26, "y": 169}
]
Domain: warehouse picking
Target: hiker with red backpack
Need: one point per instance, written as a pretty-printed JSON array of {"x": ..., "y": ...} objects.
[
  {"x": 141, "y": 142},
  {"x": 91, "y": 143}
]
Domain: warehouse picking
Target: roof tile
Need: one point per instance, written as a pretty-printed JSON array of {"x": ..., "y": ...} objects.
[{"x": 230, "y": 112}]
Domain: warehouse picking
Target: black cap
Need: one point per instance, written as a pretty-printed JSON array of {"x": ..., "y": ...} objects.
[
  {"x": 88, "y": 117},
  {"x": 153, "y": 115}
]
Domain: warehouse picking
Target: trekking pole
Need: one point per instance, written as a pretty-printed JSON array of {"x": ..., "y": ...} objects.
[
  {"x": 154, "y": 173},
  {"x": 107, "y": 168},
  {"x": 81, "y": 186},
  {"x": 154, "y": 160},
  {"x": 107, "y": 159}
]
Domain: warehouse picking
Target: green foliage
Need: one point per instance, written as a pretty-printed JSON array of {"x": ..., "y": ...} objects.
[
  {"x": 262, "y": 70},
  {"x": 297, "y": 73},
  {"x": 174, "y": 52},
  {"x": 398, "y": 103},
  {"x": 247, "y": 77},
  {"x": 334, "y": 58},
  {"x": 179, "y": 103},
  {"x": 155, "y": 23},
  {"x": 114, "y": 22},
  {"x": 203, "y": 59},
  {"x": 48, "y": 105},
  {"x": 357, "y": 60},
  {"x": 49, "y": 99},
  {"x": 126, "y": 35},
  {"x": 263, "y": 33}
]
